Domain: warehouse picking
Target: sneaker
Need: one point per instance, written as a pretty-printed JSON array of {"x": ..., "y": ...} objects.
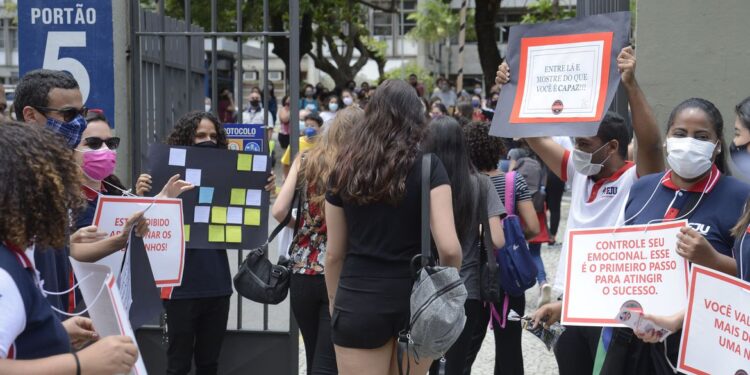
[{"x": 545, "y": 295}]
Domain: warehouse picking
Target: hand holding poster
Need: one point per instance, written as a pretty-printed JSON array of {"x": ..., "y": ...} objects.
[
  {"x": 716, "y": 331},
  {"x": 606, "y": 267},
  {"x": 563, "y": 76},
  {"x": 164, "y": 243},
  {"x": 104, "y": 304}
]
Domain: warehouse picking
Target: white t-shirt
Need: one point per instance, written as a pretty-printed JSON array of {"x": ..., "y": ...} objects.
[
  {"x": 327, "y": 116},
  {"x": 593, "y": 204},
  {"x": 12, "y": 313}
]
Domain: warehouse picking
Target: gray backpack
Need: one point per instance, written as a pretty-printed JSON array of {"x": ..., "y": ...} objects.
[{"x": 437, "y": 298}]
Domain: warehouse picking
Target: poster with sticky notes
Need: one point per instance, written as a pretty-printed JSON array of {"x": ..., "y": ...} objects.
[{"x": 229, "y": 206}]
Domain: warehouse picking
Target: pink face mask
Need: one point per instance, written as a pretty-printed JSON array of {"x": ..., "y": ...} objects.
[{"x": 99, "y": 164}]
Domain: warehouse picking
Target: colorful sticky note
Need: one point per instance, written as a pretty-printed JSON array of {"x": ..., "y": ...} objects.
[
  {"x": 215, "y": 233},
  {"x": 244, "y": 162},
  {"x": 177, "y": 156},
  {"x": 201, "y": 214},
  {"x": 252, "y": 216},
  {"x": 234, "y": 215},
  {"x": 218, "y": 215},
  {"x": 260, "y": 162},
  {"x": 186, "y": 232},
  {"x": 234, "y": 234},
  {"x": 253, "y": 197},
  {"x": 238, "y": 197},
  {"x": 206, "y": 195},
  {"x": 193, "y": 176}
]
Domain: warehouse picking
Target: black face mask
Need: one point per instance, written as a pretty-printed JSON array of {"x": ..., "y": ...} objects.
[
  {"x": 255, "y": 103},
  {"x": 207, "y": 144}
]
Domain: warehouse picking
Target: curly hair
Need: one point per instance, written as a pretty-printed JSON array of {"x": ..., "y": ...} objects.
[
  {"x": 40, "y": 184},
  {"x": 183, "y": 133},
  {"x": 484, "y": 150},
  {"x": 374, "y": 164},
  {"x": 319, "y": 161}
]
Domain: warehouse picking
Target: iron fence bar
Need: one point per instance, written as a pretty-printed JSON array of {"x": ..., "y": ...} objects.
[
  {"x": 135, "y": 104},
  {"x": 162, "y": 71},
  {"x": 212, "y": 34},
  {"x": 294, "y": 73},
  {"x": 265, "y": 113},
  {"x": 188, "y": 53},
  {"x": 238, "y": 116},
  {"x": 214, "y": 57}
]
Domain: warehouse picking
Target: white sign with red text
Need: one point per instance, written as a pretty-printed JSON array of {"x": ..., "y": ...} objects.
[
  {"x": 165, "y": 242},
  {"x": 609, "y": 266},
  {"x": 716, "y": 331},
  {"x": 104, "y": 305}
]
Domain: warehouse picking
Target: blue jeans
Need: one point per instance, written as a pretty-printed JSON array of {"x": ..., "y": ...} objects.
[{"x": 536, "y": 254}]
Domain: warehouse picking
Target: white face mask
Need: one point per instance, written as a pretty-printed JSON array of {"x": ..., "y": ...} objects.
[
  {"x": 582, "y": 162},
  {"x": 689, "y": 157},
  {"x": 347, "y": 101}
]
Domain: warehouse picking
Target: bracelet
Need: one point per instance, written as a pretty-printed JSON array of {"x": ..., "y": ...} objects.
[{"x": 78, "y": 363}]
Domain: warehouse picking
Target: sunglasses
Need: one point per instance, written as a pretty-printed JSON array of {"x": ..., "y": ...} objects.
[
  {"x": 95, "y": 143},
  {"x": 68, "y": 114}
]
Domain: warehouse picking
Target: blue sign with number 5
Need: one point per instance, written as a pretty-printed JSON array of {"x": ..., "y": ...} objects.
[{"x": 75, "y": 36}]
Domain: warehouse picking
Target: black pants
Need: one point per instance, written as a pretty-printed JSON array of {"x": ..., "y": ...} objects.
[
  {"x": 309, "y": 300},
  {"x": 283, "y": 141},
  {"x": 508, "y": 352},
  {"x": 555, "y": 188},
  {"x": 195, "y": 326},
  {"x": 455, "y": 359},
  {"x": 576, "y": 350}
]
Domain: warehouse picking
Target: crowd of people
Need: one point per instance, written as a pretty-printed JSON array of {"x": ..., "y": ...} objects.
[{"x": 357, "y": 180}]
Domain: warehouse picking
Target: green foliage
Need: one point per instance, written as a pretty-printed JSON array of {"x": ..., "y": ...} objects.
[
  {"x": 545, "y": 11},
  {"x": 423, "y": 75},
  {"x": 378, "y": 47},
  {"x": 435, "y": 21}
]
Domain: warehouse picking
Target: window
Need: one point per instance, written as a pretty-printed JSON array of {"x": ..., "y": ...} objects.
[{"x": 382, "y": 22}]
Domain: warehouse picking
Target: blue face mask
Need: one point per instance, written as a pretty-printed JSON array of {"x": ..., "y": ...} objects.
[
  {"x": 310, "y": 132},
  {"x": 71, "y": 131},
  {"x": 333, "y": 107}
]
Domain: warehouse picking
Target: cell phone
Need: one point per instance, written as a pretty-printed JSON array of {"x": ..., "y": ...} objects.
[{"x": 631, "y": 315}]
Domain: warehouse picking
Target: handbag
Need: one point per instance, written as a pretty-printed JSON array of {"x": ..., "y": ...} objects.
[
  {"x": 489, "y": 290},
  {"x": 258, "y": 279},
  {"x": 437, "y": 298}
]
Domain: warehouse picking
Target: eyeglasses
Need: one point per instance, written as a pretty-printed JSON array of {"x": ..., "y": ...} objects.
[
  {"x": 95, "y": 143},
  {"x": 68, "y": 113}
]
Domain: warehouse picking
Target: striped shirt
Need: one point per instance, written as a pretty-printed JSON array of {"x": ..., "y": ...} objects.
[{"x": 522, "y": 189}]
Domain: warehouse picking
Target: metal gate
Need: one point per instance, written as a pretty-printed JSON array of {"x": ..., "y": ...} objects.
[{"x": 172, "y": 71}]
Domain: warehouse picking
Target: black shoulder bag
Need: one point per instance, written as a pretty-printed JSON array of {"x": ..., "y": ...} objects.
[
  {"x": 489, "y": 290},
  {"x": 260, "y": 280}
]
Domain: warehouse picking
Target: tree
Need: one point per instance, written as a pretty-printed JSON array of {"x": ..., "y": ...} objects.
[
  {"x": 340, "y": 29},
  {"x": 437, "y": 22},
  {"x": 485, "y": 27},
  {"x": 547, "y": 10},
  {"x": 336, "y": 26}
]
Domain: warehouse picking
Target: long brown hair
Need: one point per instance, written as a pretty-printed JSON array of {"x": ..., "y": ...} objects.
[
  {"x": 319, "y": 161},
  {"x": 373, "y": 166},
  {"x": 40, "y": 185},
  {"x": 739, "y": 229}
]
